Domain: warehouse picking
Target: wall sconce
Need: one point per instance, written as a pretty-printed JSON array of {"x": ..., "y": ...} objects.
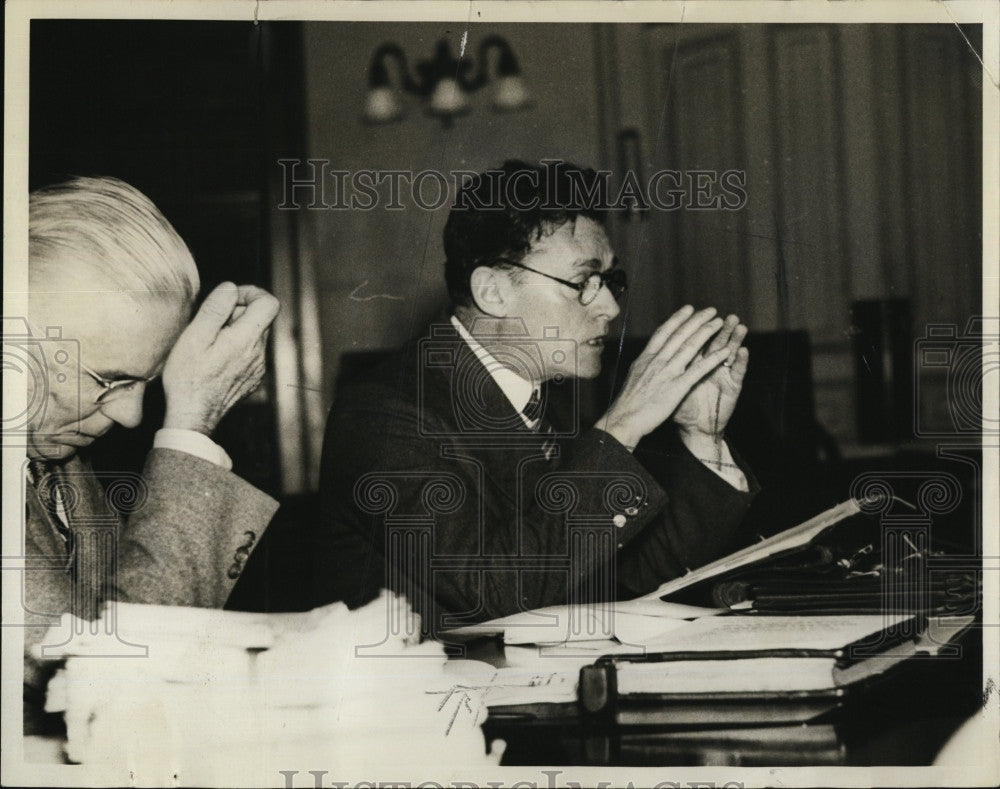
[{"x": 443, "y": 82}]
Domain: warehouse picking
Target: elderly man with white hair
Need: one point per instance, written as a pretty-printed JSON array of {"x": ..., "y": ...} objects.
[{"x": 111, "y": 277}]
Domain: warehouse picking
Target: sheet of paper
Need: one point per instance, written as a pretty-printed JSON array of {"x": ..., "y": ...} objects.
[
  {"x": 534, "y": 684},
  {"x": 795, "y": 537},
  {"x": 569, "y": 656},
  {"x": 639, "y": 630},
  {"x": 139, "y": 625},
  {"x": 560, "y": 624},
  {"x": 751, "y": 633},
  {"x": 722, "y": 676},
  {"x": 197, "y": 703}
]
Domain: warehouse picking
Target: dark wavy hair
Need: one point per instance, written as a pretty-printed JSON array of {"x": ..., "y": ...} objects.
[{"x": 498, "y": 214}]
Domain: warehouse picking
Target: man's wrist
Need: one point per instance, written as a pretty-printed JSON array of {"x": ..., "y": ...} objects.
[
  {"x": 702, "y": 444},
  {"x": 712, "y": 451},
  {"x": 193, "y": 443},
  {"x": 187, "y": 421},
  {"x": 620, "y": 430}
]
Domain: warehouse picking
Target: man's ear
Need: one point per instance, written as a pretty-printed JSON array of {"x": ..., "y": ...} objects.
[{"x": 490, "y": 290}]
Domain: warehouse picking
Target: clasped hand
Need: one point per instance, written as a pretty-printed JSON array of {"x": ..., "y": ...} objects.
[
  {"x": 219, "y": 358},
  {"x": 691, "y": 369}
]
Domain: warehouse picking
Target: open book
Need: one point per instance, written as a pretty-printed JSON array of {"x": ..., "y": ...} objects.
[
  {"x": 788, "y": 540},
  {"x": 785, "y": 654},
  {"x": 640, "y": 620}
]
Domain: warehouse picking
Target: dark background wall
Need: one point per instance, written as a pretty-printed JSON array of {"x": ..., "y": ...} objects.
[
  {"x": 187, "y": 112},
  {"x": 861, "y": 147}
]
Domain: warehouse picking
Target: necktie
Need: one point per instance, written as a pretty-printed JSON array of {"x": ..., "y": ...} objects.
[
  {"x": 533, "y": 409},
  {"x": 534, "y": 412},
  {"x": 50, "y": 487}
]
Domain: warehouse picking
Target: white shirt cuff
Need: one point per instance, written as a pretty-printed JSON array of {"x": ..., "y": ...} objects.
[{"x": 194, "y": 443}]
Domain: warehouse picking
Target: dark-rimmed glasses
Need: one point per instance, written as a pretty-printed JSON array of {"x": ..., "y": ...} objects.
[{"x": 613, "y": 278}]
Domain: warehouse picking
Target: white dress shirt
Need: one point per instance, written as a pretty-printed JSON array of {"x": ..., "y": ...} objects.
[
  {"x": 515, "y": 388},
  {"x": 518, "y": 391}
]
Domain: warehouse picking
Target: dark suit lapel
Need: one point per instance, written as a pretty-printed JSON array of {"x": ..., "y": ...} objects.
[
  {"x": 478, "y": 415},
  {"x": 476, "y": 404},
  {"x": 510, "y": 440},
  {"x": 478, "y": 388}
]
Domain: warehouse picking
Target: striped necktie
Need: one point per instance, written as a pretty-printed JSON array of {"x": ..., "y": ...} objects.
[
  {"x": 47, "y": 479},
  {"x": 533, "y": 408},
  {"x": 534, "y": 413}
]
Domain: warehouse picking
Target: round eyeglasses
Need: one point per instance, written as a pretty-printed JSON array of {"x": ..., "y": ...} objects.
[
  {"x": 614, "y": 278},
  {"x": 114, "y": 389},
  {"x": 111, "y": 389}
]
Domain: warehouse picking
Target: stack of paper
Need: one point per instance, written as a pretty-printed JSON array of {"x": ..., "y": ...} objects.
[{"x": 232, "y": 698}]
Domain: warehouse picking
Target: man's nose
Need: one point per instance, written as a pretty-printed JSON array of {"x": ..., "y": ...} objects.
[
  {"x": 606, "y": 304},
  {"x": 126, "y": 409}
]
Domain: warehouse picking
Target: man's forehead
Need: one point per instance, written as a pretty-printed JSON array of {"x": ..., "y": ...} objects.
[
  {"x": 99, "y": 300},
  {"x": 122, "y": 320},
  {"x": 582, "y": 237}
]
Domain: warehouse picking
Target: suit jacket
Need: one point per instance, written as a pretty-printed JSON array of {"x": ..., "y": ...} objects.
[
  {"x": 178, "y": 534},
  {"x": 432, "y": 485}
]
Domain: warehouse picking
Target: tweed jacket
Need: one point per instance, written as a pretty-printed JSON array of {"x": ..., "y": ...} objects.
[
  {"x": 431, "y": 484},
  {"x": 178, "y": 534}
]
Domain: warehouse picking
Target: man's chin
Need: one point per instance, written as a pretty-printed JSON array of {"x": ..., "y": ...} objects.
[
  {"x": 61, "y": 447},
  {"x": 588, "y": 372},
  {"x": 580, "y": 373}
]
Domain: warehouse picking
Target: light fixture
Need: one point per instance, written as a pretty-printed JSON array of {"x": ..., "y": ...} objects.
[
  {"x": 382, "y": 104},
  {"x": 512, "y": 93},
  {"x": 443, "y": 82}
]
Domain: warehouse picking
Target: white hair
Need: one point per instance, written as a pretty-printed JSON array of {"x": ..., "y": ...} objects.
[{"x": 110, "y": 228}]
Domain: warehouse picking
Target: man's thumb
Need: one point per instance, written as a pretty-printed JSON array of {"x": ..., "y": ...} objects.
[{"x": 216, "y": 309}]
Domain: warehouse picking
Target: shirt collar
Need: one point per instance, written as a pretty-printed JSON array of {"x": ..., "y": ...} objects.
[{"x": 515, "y": 388}]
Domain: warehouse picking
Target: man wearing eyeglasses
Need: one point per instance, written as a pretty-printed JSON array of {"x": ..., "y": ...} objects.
[
  {"x": 446, "y": 473},
  {"x": 111, "y": 290}
]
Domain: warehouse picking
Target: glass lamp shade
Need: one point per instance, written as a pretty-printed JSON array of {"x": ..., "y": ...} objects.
[
  {"x": 448, "y": 98},
  {"x": 511, "y": 93},
  {"x": 382, "y": 105}
]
